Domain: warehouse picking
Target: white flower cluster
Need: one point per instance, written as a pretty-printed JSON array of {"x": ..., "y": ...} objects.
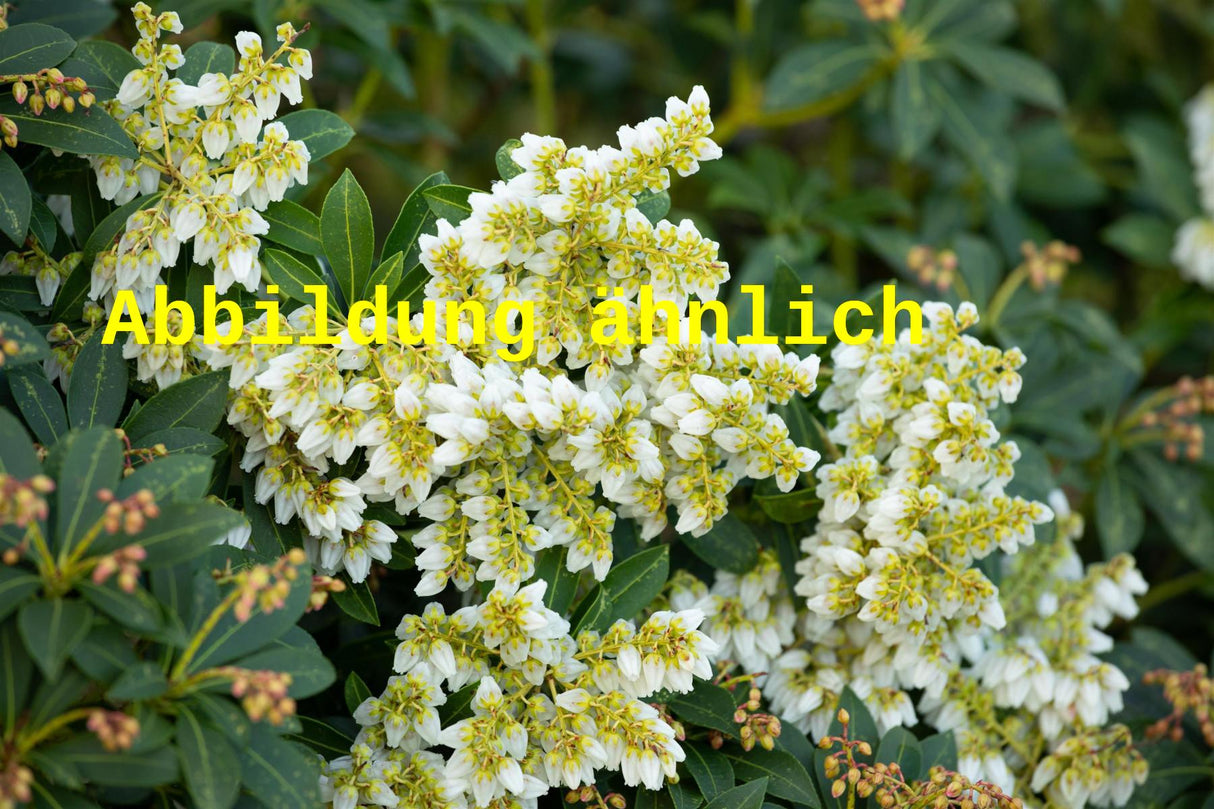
[
  {"x": 896, "y": 601},
  {"x": 549, "y": 710},
  {"x": 210, "y": 153},
  {"x": 48, "y": 272},
  {"x": 1193, "y": 252},
  {"x": 508, "y": 458}
]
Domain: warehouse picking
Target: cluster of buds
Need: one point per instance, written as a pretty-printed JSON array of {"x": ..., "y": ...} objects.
[
  {"x": 756, "y": 727},
  {"x": 265, "y": 587},
  {"x": 1187, "y": 691},
  {"x": 881, "y": 10},
  {"x": 15, "y": 782},
  {"x": 65, "y": 347},
  {"x": 114, "y": 729},
  {"x": 322, "y": 586},
  {"x": 1048, "y": 265},
  {"x": 124, "y": 562},
  {"x": 930, "y": 266},
  {"x": 22, "y": 501},
  {"x": 887, "y": 785},
  {"x": 46, "y": 89},
  {"x": 130, "y": 514},
  {"x": 1174, "y": 414},
  {"x": 262, "y": 694},
  {"x": 591, "y": 796}
]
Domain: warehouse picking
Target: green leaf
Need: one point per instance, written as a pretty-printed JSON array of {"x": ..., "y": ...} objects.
[
  {"x": 296, "y": 654},
  {"x": 414, "y": 219},
  {"x": 939, "y": 750},
  {"x": 746, "y": 796},
  {"x": 790, "y": 507},
  {"x": 31, "y": 47},
  {"x": 562, "y": 585},
  {"x": 449, "y": 202},
  {"x": 144, "y": 680},
  {"x": 16, "y": 672},
  {"x": 15, "y": 586},
  {"x": 387, "y": 275},
  {"x": 136, "y": 610},
  {"x": 355, "y": 691},
  {"x": 323, "y": 738},
  {"x": 988, "y": 149},
  {"x": 103, "y": 65},
  {"x": 728, "y": 545},
  {"x": 412, "y": 287},
  {"x": 291, "y": 275},
  {"x": 506, "y": 167},
  {"x": 861, "y": 723},
  {"x": 348, "y": 234},
  {"x": 811, "y": 73},
  {"x": 50, "y": 628},
  {"x": 294, "y": 226},
  {"x": 786, "y": 778},
  {"x": 279, "y": 773},
  {"x": 48, "y": 797},
  {"x": 1119, "y": 517},
  {"x": 206, "y": 57},
  {"x": 1176, "y": 498},
  {"x": 914, "y": 117},
  {"x": 208, "y": 763},
  {"x": 1165, "y": 173},
  {"x": 175, "y": 478},
  {"x": 105, "y": 653},
  {"x": 979, "y": 265},
  {"x": 39, "y": 403},
  {"x": 151, "y": 768},
  {"x": 17, "y": 456},
  {"x": 183, "y": 440},
  {"x": 93, "y": 462},
  {"x": 183, "y": 531},
  {"x": 15, "y": 200},
  {"x": 323, "y": 132},
  {"x": 198, "y": 401},
  {"x": 707, "y": 706},
  {"x": 222, "y": 713},
  {"x": 357, "y": 602},
  {"x": 77, "y": 18},
  {"x": 1145, "y": 238},
  {"x": 627, "y": 589},
  {"x": 31, "y": 345},
  {"x": 96, "y": 389},
  {"x": 709, "y": 768},
  {"x": 43, "y": 225},
  {"x": 1009, "y": 71},
  {"x": 654, "y": 204},
  {"x": 90, "y": 131},
  {"x": 900, "y": 746}
]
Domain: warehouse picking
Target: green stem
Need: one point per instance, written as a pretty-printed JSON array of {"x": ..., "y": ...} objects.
[
  {"x": 1173, "y": 588},
  {"x": 1004, "y": 294}
]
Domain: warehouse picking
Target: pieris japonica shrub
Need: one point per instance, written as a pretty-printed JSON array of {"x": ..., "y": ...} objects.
[{"x": 487, "y": 543}]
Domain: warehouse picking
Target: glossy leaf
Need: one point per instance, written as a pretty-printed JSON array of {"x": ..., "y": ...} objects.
[
  {"x": 96, "y": 390},
  {"x": 50, "y": 628},
  {"x": 15, "y": 200},
  {"x": 348, "y": 234}
]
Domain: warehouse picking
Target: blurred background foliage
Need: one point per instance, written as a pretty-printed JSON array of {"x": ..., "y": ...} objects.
[{"x": 969, "y": 127}]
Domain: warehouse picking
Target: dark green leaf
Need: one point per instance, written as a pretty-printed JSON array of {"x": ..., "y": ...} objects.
[
  {"x": 357, "y": 602},
  {"x": 293, "y": 226},
  {"x": 278, "y": 772},
  {"x": 415, "y": 218},
  {"x": 628, "y": 588},
  {"x": 16, "y": 672},
  {"x": 144, "y": 680},
  {"x": 449, "y": 202},
  {"x": 16, "y": 585},
  {"x": 355, "y": 691},
  {"x": 1176, "y": 498},
  {"x": 728, "y": 545},
  {"x": 786, "y": 778},
  {"x": 387, "y": 275},
  {"x": 43, "y": 225},
  {"x": 39, "y": 403},
  {"x": 506, "y": 167},
  {"x": 790, "y": 507},
  {"x": 323, "y": 132},
  {"x": 310, "y": 672},
  {"x": 291, "y": 275},
  {"x": 709, "y": 768},
  {"x": 50, "y": 628},
  {"x": 17, "y": 456},
  {"x": 31, "y": 47},
  {"x": 811, "y": 73},
  {"x": 136, "y": 610},
  {"x": 103, "y": 65},
  {"x": 180, "y": 440},
  {"x": 90, "y": 131},
  {"x": 708, "y": 706},
  {"x": 97, "y": 765},
  {"x": 97, "y": 387},
  {"x": 197, "y": 401},
  {"x": 208, "y": 763},
  {"x": 31, "y": 346},
  {"x": 93, "y": 462},
  {"x": 899, "y": 746},
  {"x": 562, "y": 585},
  {"x": 15, "y": 200},
  {"x": 348, "y": 235},
  {"x": 989, "y": 150},
  {"x": 1119, "y": 516},
  {"x": 206, "y": 57},
  {"x": 323, "y": 738},
  {"x": 175, "y": 478},
  {"x": 746, "y": 796},
  {"x": 914, "y": 117},
  {"x": 861, "y": 723},
  {"x": 226, "y": 715},
  {"x": 654, "y": 205},
  {"x": 939, "y": 750},
  {"x": 183, "y": 531},
  {"x": 1009, "y": 71}
]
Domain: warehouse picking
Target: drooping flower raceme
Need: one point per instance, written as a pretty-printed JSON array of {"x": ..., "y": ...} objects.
[{"x": 211, "y": 158}]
